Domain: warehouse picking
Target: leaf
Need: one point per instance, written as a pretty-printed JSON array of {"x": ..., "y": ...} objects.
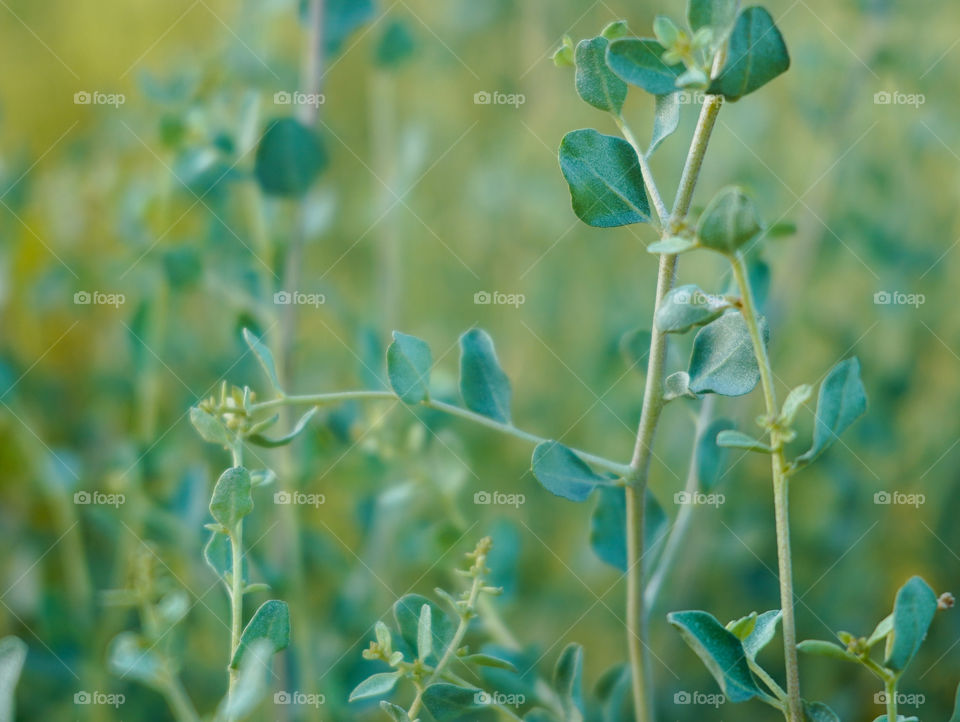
[
  {"x": 376, "y": 685},
  {"x": 763, "y": 632},
  {"x": 795, "y": 399},
  {"x": 822, "y": 648},
  {"x": 563, "y": 473},
  {"x": 818, "y": 712},
  {"x": 397, "y": 44},
  {"x": 842, "y": 401},
  {"x": 483, "y": 384},
  {"x": 741, "y": 628},
  {"x": 638, "y": 61},
  {"x": 720, "y": 651},
  {"x": 343, "y": 17},
  {"x": 718, "y": 15},
  {"x": 687, "y": 306},
  {"x": 289, "y": 158},
  {"x": 408, "y": 367},
  {"x": 424, "y": 633},
  {"x": 488, "y": 660},
  {"x": 210, "y": 427},
  {"x": 13, "y": 653},
  {"x": 231, "y": 500},
  {"x": 407, "y": 612},
  {"x": 711, "y": 458},
  {"x": 608, "y": 525},
  {"x": 756, "y": 55},
  {"x": 606, "y": 184},
  {"x": 666, "y": 119},
  {"x": 397, "y": 713},
  {"x": 614, "y": 694},
  {"x": 448, "y": 701},
  {"x": 729, "y": 221},
  {"x": 264, "y": 356},
  {"x": 723, "y": 361},
  {"x": 568, "y": 681},
  {"x": 261, "y": 440},
  {"x": 271, "y": 622},
  {"x": 217, "y": 554},
  {"x": 676, "y": 386},
  {"x": 913, "y": 611},
  {"x": 733, "y": 439},
  {"x": 251, "y": 684},
  {"x": 955, "y": 717},
  {"x": 595, "y": 82},
  {"x": 673, "y": 245},
  {"x": 130, "y": 657},
  {"x": 883, "y": 628}
]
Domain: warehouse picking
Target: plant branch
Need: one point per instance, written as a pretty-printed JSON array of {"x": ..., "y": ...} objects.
[{"x": 659, "y": 206}]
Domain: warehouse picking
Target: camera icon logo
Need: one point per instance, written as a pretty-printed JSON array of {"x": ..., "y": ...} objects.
[
  {"x": 82, "y": 98},
  {"x": 882, "y": 98},
  {"x": 482, "y": 697},
  {"x": 281, "y": 698},
  {"x": 681, "y": 698},
  {"x": 82, "y": 698},
  {"x": 82, "y": 298},
  {"x": 682, "y": 497},
  {"x": 882, "y": 497},
  {"x": 283, "y": 298},
  {"x": 482, "y": 497},
  {"x": 482, "y": 98},
  {"x": 282, "y": 97},
  {"x": 81, "y": 497},
  {"x": 882, "y": 298},
  {"x": 282, "y": 497},
  {"x": 482, "y": 298}
]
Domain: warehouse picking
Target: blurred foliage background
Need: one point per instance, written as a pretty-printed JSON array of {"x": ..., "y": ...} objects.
[{"x": 427, "y": 199}]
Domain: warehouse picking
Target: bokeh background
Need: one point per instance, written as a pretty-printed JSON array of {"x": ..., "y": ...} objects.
[{"x": 427, "y": 199}]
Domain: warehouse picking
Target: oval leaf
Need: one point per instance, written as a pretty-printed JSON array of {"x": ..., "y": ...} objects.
[
  {"x": 483, "y": 384},
  {"x": 376, "y": 685},
  {"x": 231, "y": 500},
  {"x": 842, "y": 401},
  {"x": 723, "y": 361},
  {"x": 270, "y": 622},
  {"x": 608, "y": 525},
  {"x": 568, "y": 681},
  {"x": 687, "y": 306},
  {"x": 563, "y": 473},
  {"x": 289, "y": 158},
  {"x": 448, "y": 701},
  {"x": 913, "y": 612},
  {"x": 733, "y": 439},
  {"x": 595, "y": 82},
  {"x": 606, "y": 184},
  {"x": 763, "y": 632},
  {"x": 210, "y": 427},
  {"x": 408, "y": 367},
  {"x": 822, "y": 648},
  {"x": 638, "y": 61},
  {"x": 818, "y": 712},
  {"x": 729, "y": 221},
  {"x": 264, "y": 356},
  {"x": 757, "y": 54},
  {"x": 666, "y": 119},
  {"x": 718, "y": 15}
]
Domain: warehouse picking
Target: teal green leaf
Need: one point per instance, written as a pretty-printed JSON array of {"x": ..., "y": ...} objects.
[
  {"x": 289, "y": 158},
  {"x": 614, "y": 694},
  {"x": 449, "y": 702},
  {"x": 711, "y": 458},
  {"x": 606, "y": 184},
  {"x": 729, "y": 221},
  {"x": 913, "y": 611},
  {"x": 797, "y": 397},
  {"x": 271, "y": 622},
  {"x": 733, "y": 439},
  {"x": 595, "y": 82},
  {"x": 673, "y": 245},
  {"x": 407, "y": 612},
  {"x": 666, "y": 119},
  {"x": 210, "y": 427},
  {"x": 842, "y": 400},
  {"x": 563, "y": 473},
  {"x": 264, "y": 356},
  {"x": 723, "y": 361},
  {"x": 638, "y": 61},
  {"x": 568, "y": 681},
  {"x": 763, "y": 632},
  {"x": 397, "y": 44},
  {"x": 341, "y": 19},
  {"x": 822, "y": 648},
  {"x": 608, "y": 525},
  {"x": 397, "y": 713},
  {"x": 818, "y": 712},
  {"x": 251, "y": 684},
  {"x": 13, "y": 653},
  {"x": 677, "y": 386},
  {"x": 756, "y": 55},
  {"x": 231, "y": 500},
  {"x": 218, "y": 556},
  {"x": 376, "y": 685},
  {"x": 488, "y": 660},
  {"x": 720, "y": 651},
  {"x": 718, "y": 15},
  {"x": 131, "y": 657},
  {"x": 483, "y": 384},
  {"x": 270, "y": 443},
  {"x": 408, "y": 367},
  {"x": 687, "y": 306},
  {"x": 425, "y": 633}
]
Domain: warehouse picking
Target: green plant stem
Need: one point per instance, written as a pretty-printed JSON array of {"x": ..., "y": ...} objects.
[
  {"x": 649, "y": 418},
  {"x": 341, "y": 396},
  {"x": 180, "y": 704},
  {"x": 780, "y": 491},
  {"x": 890, "y": 687},
  {"x": 648, "y": 179},
  {"x": 236, "y": 601}
]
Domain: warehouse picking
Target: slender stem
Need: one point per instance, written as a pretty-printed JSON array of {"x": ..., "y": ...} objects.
[
  {"x": 183, "y": 710},
  {"x": 890, "y": 687},
  {"x": 341, "y": 396},
  {"x": 767, "y": 679},
  {"x": 780, "y": 492},
  {"x": 659, "y": 206},
  {"x": 649, "y": 418},
  {"x": 682, "y": 523},
  {"x": 236, "y": 601}
]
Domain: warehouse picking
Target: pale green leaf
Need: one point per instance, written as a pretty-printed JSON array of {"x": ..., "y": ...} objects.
[
  {"x": 483, "y": 384},
  {"x": 408, "y": 367}
]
